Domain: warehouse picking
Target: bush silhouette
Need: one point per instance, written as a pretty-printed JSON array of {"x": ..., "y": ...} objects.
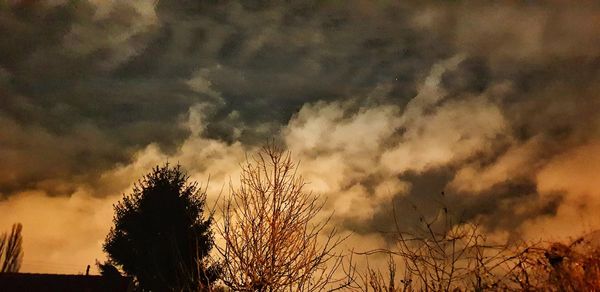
[{"x": 160, "y": 235}]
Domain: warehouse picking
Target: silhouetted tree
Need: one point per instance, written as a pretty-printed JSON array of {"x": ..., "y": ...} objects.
[
  {"x": 556, "y": 266},
  {"x": 160, "y": 235},
  {"x": 447, "y": 255},
  {"x": 11, "y": 253},
  {"x": 108, "y": 269},
  {"x": 272, "y": 241}
]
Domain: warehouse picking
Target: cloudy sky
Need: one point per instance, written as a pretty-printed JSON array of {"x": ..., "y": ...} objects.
[{"x": 380, "y": 101}]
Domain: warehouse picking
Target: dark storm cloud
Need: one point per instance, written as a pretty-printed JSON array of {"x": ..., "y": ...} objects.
[
  {"x": 531, "y": 69},
  {"x": 380, "y": 100},
  {"x": 123, "y": 69}
]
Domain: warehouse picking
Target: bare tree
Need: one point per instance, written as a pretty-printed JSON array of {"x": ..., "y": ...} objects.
[
  {"x": 272, "y": 241},
  {"x": 11, "y": 252},
  {"x": 445, "y": 255},
  {"x": 559, "y": 267},
  {"x": 375, "y": 280}
]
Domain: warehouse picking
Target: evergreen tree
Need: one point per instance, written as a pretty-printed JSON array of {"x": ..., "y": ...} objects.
[{"x": 160, "y": 235}]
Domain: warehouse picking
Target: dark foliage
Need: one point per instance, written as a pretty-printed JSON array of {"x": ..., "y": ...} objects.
[
  {"x": 160, "y": 235},
  {"x": 107, "y": 269}
]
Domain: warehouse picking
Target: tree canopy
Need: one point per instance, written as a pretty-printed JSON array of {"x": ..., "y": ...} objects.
[{"x": 160, "y": 235}]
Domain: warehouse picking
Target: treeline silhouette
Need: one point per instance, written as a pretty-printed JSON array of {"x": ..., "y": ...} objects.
[{"x": 273, "y": 236}]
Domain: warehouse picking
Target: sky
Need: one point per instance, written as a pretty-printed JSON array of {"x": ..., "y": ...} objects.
[{"x": 383, "y": 103}]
